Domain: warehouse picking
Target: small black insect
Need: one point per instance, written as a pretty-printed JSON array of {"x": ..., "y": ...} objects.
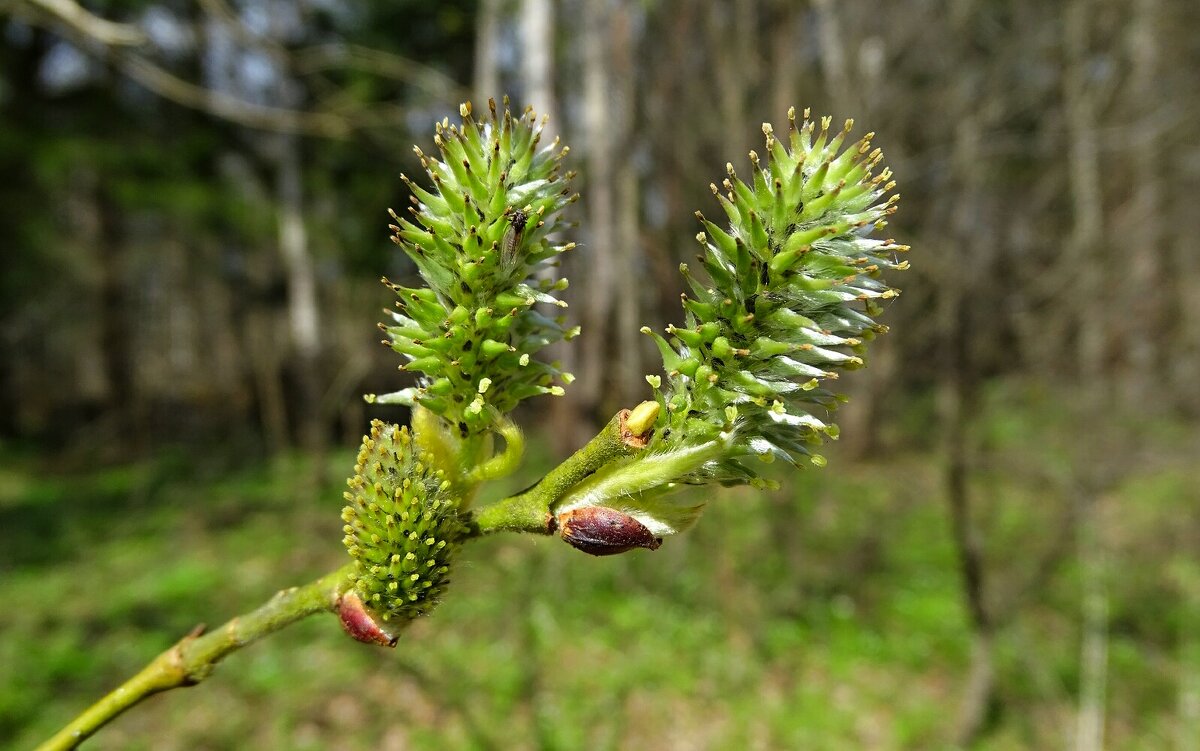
[{"x": 512, "y": 238}]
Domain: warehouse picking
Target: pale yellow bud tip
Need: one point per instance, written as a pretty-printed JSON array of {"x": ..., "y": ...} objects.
[{"x": 642, "y": 417}]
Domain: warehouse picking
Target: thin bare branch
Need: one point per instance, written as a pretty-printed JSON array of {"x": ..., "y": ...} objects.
[
  {"x": 115, "y": 43},
  {"x": 389, "y": 65},
  {"x": 231, "y": 108},
  {"x": 82, "y": 21},
  {"x": 220, "y": 10}
]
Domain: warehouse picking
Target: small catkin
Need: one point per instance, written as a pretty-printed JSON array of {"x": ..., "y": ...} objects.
[{"x": 402, "y": 527}]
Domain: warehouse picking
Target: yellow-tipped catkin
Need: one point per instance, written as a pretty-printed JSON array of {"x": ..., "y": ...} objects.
[
  {"x": 795, "y": 283},
  {"x": 479, "y": 239}
]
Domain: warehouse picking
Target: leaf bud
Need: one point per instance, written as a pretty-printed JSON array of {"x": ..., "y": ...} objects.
[{"x": 598, "y": 530}]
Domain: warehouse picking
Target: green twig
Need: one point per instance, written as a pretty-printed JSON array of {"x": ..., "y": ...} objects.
[
  {"x": 531, "y": 509},
  {"x": 505, "y": 462},
  {"x": 194, "y": 657}
]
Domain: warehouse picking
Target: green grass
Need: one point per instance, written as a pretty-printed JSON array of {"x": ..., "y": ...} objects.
[{"x": 824, "y": 616}]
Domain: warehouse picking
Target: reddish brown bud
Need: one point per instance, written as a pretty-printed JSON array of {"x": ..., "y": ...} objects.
[
  {"x": 361, "y": 624},
  {"x": 604, "y": 531}
]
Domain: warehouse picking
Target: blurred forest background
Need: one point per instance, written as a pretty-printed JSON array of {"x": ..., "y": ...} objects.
[{"x": 1003, "y": 553}]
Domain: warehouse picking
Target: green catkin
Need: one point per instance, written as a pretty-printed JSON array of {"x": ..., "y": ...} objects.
[
  {"x": 794, "y": 286},
  {"x": 479, "y": 240},
  {"x": 402, "y": 526}
]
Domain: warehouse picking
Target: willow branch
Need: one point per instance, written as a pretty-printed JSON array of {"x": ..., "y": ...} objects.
[
  {"x": 194, "y": 657},
  {"x": 531, "y": 510}
]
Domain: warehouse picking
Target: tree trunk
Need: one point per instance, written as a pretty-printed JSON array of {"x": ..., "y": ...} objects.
[
  {"x": 860, "y": 418},
  {"x": 1188, "y": 696},
  {"x": 537, "y": 59},
  {"x": 304, "y": 321},
  {"x": 785, "y": 59},
  {"x": 538, "y": 40},
  {"x": 595, "y": 352},
  {"x": 116, "y": 330},
  {"x": 1144, "y": 290},
  {"x": 958, "y": 400},
  {"x": 262, "y": 347},
  {"x": 487, "y": 46},
  {"x": 1087, "y": 258},
  {"x": 962, "y": 266},
  {"x": 629, "y": 387},
  {"x": 835, "y": 66},
  {"x": 1093, "y": 652},
  {"x": 731, "y": 28}
]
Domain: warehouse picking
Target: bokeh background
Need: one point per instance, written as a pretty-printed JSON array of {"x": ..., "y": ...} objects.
[{"x": 1003, "y": 553}]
